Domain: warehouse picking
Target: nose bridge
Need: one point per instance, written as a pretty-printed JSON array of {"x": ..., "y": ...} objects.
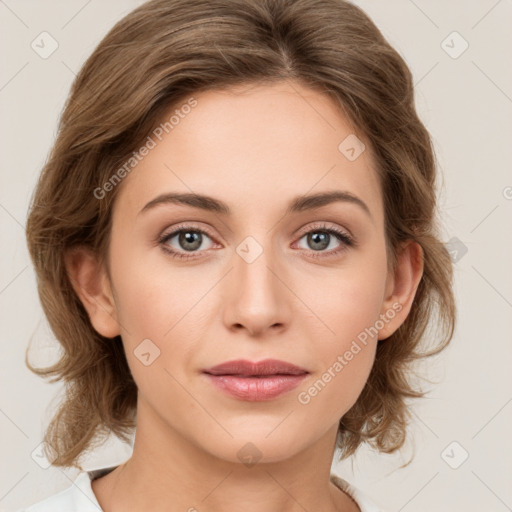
[{"x": 258, "y": 295}]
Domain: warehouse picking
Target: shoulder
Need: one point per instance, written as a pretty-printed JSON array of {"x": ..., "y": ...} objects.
[
  {"x": 78, "y": 497},
  {"x": 364, "y": 502}
]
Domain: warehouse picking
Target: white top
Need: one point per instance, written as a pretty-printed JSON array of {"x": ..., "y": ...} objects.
[{"x": 80, "y": 497}]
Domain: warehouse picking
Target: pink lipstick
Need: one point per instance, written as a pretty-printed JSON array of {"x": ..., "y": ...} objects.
[{"x": 264, "y": 380}]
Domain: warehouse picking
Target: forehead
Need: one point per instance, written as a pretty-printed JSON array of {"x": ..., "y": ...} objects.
[{"x": 255, "y": 146}]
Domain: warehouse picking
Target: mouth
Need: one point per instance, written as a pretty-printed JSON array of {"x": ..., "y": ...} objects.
[{"x": 254, "y": 382}]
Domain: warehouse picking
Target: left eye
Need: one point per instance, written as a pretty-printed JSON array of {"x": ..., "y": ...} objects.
[{"x": 320, "y": 238}]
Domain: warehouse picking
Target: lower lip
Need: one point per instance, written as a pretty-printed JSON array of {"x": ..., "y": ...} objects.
[{"x": 256, "y": 389}]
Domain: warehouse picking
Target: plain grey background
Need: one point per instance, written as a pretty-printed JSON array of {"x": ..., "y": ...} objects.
[{"x": 459, "y": 52}]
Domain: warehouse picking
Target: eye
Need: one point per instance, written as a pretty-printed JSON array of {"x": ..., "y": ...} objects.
[
  {"x": 322, "y": 237},
  {"x": 189, "y": 239}
]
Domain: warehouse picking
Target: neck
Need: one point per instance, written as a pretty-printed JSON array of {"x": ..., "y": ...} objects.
[{"x": 169, "y": 472}]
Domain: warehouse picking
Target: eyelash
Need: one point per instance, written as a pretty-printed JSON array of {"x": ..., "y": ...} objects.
[{"x": 342, "y": 236}]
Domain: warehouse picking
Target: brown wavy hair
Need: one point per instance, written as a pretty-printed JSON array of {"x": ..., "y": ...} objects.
[{"x": 162, "y": 52}]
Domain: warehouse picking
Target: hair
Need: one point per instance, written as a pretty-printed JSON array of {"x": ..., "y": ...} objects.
[{"x": 159, "y": 54}]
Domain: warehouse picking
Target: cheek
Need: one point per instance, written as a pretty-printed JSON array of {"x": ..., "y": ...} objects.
[
  {"x": 153, "y": 315},
  {"x": 159, "y": 309},
  {"x": 344, "y": 331},
  {"x": 344, "y": 300},
  {"x": 344, "y": 357},
  {"x": 151, "y": 296}
]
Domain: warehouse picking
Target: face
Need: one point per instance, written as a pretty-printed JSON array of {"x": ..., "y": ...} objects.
[{"x": 255, "y": 278}]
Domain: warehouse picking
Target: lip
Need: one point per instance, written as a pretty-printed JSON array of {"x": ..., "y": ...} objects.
[
  {"x": 256, "y": 389},
  {"x": 261, "y": 381},
  {"x": 244, "y": 368}
]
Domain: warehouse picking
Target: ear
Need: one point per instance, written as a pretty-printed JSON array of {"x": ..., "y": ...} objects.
[
  {"x": 92, "y": 285},
  {"x": 401, "y": 287}
]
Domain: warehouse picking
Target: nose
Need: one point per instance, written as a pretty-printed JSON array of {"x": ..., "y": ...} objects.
[{"x": 258, "y": 298}]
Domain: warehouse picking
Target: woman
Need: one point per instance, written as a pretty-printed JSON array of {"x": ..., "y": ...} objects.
[{"x": 236, "y": 245}]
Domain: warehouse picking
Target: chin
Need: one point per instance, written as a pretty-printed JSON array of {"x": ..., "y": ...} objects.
[{"x": 256, "y": 447}]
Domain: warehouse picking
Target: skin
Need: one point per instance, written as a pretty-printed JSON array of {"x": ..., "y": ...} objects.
[{"x": 255, "y": 148}]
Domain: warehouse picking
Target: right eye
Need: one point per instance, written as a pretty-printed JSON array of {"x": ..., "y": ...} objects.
[{"x": 189, "y": 239}]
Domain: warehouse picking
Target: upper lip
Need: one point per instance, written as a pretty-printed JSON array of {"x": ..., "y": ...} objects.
[{"x": 248, "y": 368}]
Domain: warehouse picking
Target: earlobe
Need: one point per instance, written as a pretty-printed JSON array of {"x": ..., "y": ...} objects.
[
  {"x": 401, "y": 287},
  {"x": 92, "y": 285}
]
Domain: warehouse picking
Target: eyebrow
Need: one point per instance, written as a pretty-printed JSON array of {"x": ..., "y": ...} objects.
[{"x": 298, "y": 204}]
